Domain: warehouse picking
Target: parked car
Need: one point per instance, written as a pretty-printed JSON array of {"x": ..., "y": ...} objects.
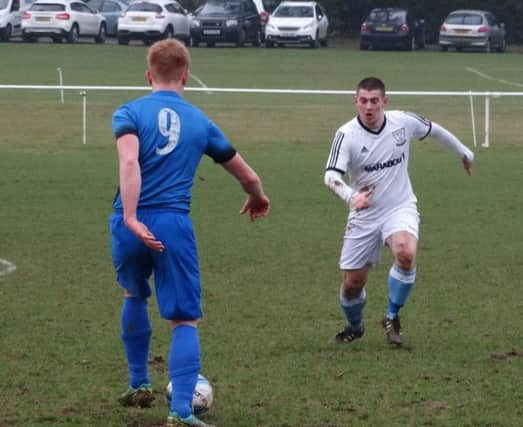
[
  {"x": 297, "y": 22},
  {"x": 111, "y": 10},
  {"x": 226, "y": 21},
  {"x": 154, "y": 20},
  {"x": 62, "y": 19},
  {"x": 10, "y": 19},
  {"x": 472, "y": 29},
  {"x": 392, "y": 28}
]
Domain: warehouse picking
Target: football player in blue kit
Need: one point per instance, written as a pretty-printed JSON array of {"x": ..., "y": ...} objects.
[{"x": 160, "y": 140}]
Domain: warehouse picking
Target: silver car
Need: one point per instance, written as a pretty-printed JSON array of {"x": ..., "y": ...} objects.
[
  {"x": 472, "y": 29},
  {"x": 62, "y": 19},
  {"x": 154, "y": 20}
]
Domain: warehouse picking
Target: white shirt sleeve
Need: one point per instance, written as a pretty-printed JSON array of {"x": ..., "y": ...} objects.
[
  {"x": 334, "y": 181},
  {"x": 443, "y": 136},
  {"x": 339, "y": 155}
]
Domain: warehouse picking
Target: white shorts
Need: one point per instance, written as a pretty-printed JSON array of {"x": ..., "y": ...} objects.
[{"x": 363, "y": 240}]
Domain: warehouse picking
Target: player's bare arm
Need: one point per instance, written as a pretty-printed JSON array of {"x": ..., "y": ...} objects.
[
  {"x": 357, "y": 200},
  {"x": 130, "y": 184},
  {"x": 257, "y": 203}
]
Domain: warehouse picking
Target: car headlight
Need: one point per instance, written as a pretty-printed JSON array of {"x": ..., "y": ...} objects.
[
  {"x": 231, "y": 22},
  {"x": 270, "y": 26},
  {"x": 195, "y": 23}
]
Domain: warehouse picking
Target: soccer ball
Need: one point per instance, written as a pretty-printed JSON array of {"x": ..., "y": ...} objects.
[{"x": 202, "y": 398}]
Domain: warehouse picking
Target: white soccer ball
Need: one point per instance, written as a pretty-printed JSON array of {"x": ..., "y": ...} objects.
[{"x": 202, "y": 398}]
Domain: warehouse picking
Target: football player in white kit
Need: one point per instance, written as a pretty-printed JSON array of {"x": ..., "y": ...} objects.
[{"x": 373, "y": 149}]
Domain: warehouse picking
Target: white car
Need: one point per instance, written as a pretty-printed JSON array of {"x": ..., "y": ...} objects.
[
  {"x": 294, "y": 22},
  {"x": 10, "y": 19},
  {"x": 154, "y": 20},
  {"x": 62, "y": 19},
  {"x": 472, "y": 29}
]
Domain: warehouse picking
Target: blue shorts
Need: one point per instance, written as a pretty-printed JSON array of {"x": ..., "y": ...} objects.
[{"x": 176, "y": 269}]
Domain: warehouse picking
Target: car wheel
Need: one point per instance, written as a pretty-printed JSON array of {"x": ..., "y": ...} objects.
[
  {"x": 364, "y": 46},
  {"x": 168, "y": 34},
  {"x": 102, "y": 34},
  {"x": 269, "y": 44},
  {"x": 57, "y": 40},
  {"x": 411, "y": 44},
  {"x": 28, "y": 38},
  {"x": 443, "y": 48},
  {"x": 314, "y": 43},
  {"x": 147, "y": 42},
  {"x": 503, "y": 46},
  {"x": 324, "y": 42},
  {"x": 6, "y": 34},
  {"x": 210, "y": 44},
  {"x": 195, "y": 42},
  {"x": 459, "y": 49},
  {"x": 240, "y": 41},
  {"x": 123, "y": 41},
  {"x": 73, "y": 35}
]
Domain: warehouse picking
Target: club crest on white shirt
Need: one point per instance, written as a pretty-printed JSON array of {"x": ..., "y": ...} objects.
[{"x": 399, "y": 136}]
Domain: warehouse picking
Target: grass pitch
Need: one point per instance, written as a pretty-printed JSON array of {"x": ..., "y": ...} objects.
[{"x": 270, "y": 288}]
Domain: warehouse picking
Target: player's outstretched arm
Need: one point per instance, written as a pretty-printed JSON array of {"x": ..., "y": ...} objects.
[
  {"x": 447, "y": 138},
  {"x": 357, "y": 200},
  {"x": 130, "y": 185},
  {"x": 257, "y": 203}
]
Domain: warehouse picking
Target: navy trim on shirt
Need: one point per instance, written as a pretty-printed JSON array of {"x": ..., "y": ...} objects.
[
  {"x": 126, "y": 131},
  {"x": 428, "y": 132},
  {"x": 335, "y": 169},
  {"x": 375, "y": 132},
  {"x": 225, "y": 156}
]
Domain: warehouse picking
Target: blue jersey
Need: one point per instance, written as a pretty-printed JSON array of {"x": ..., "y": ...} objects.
[{"x": 173, "y": 136}]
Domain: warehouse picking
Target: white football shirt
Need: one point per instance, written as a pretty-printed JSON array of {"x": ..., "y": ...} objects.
[{"x": 380, "y": 159}]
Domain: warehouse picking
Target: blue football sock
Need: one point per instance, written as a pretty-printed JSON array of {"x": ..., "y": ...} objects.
[
  {"x": 353, "y": 309},
  {"x": 184, "y": 366},
  {"x": 136, "y": 336},
  {"x": 400, "y": 284}
]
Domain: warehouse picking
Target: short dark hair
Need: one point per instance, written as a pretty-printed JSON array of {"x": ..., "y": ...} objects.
[{"x": 371, "y": 83}]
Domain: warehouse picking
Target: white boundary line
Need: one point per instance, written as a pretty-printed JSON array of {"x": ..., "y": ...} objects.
[
  {"x": 487, "y": 77},
  {"x": 250, "y": 90},
  {"x": 6, "y": 267}
]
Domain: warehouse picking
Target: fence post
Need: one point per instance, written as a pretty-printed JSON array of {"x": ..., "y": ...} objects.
[{"x": 487, "y": 121}]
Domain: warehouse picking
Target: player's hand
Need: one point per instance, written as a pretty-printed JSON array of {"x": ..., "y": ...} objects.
[
  {"x": 360, "y": 200},
  {"x": 467, "y": 164},
  {"x": 256, "y": 206},
  {"x": 141, "y": 231}
]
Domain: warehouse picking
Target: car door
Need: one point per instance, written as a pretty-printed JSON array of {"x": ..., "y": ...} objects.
[
  {"x": 16, "y": 18},
  {"x": 251, "y": 19},
  {"x": 496, "y": 34},
  {"x": 111, "y": 10},
  {"x": 323, "y": 22},
  {"x": 84, "y": 17},
  {"x": 178, "y": 18}
]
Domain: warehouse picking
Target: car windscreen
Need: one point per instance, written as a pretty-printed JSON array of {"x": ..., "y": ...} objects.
[
  {"x": 94, "y": 4},
  {"x": 464, "y": 19},
  {"x": 215, "y": 8},
  {"x": 145, "y": 7},
  {"x": 3, "y": 4},
  {"x": 47, "y": 7},
  {"x": 294, "y": 12},
  {"x": 390, "y": 16}
]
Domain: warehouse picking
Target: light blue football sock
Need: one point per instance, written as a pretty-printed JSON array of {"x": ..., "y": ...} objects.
[
  {"x": 136, "y": 336},
  {"x": 353, "y": 309},
  {"x": 400, "y": 284},
  {"x": 184, "y": 366}
]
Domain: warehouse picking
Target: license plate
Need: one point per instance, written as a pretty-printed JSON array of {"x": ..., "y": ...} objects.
[
  {"x": 42, "y": 19},
  {"x": 211, "y": 32},
  {"x": 139, "y": 19},
  {"x": 287, "y": 34},
  {"x": 385, "y": 28},
  {"x": 461, "y": 31}
]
